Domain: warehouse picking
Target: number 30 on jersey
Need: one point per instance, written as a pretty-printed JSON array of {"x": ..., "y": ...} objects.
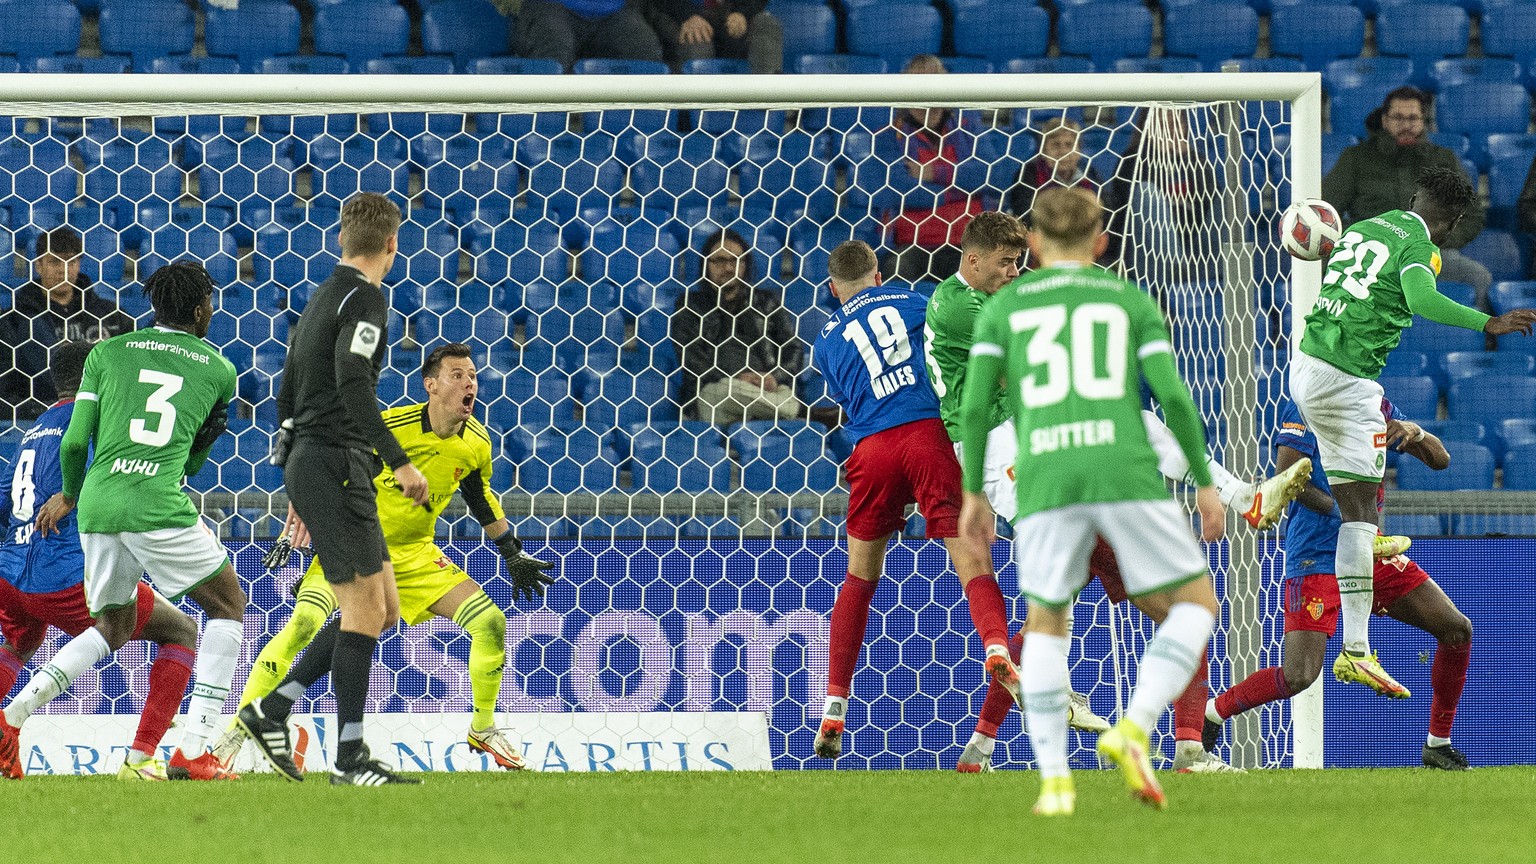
[{"x": 1091, "y": 365}]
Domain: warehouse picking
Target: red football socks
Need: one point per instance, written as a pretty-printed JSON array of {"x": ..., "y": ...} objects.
[
  {"x": 1262, "y": 687},
  {"x": 1447, "y": 677},
  {"x": 168, "y": 679},
  {"x": 1189, "y": 708},
  {"x": 994, "y": 709},
  {"x": 988, "y": 610},
  {"x": 850, "y": 615},
  {"x": 10, "y": 670}
]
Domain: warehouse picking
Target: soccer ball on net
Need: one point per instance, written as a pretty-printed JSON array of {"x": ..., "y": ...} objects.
[{"x": 1309, "y": 229}]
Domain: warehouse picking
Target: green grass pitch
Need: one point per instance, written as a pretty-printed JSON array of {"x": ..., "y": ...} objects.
[{"x": 1357, "y": 817}]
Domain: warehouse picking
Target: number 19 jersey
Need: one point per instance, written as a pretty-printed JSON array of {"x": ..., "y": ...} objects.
[
  {"x": 153, "y": 388},
  {"x": 1361, "y": 310},
  {"x": 1072, "y": 339},
  {"x": 871, "y": 355}
]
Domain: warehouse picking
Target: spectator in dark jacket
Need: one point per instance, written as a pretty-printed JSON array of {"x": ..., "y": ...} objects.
[
  {"x": 738, "y": 345},
  {"x": 1381, "y": 173},
  {"x": 56, "y": 306},
  {"x": 1059, "y": 164},
  {"x": 705, "y": 29},
  {"x": 571, "y": 30}
]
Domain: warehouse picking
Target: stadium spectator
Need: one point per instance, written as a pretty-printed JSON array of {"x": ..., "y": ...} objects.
[
  {"x": 705, "y": 29},
  {"x": 56, "y": 306},
  {"x": 933, "y": 186},
  {"x": 737, "y": 342},
  {"x": 1059, "y": 164},
  {"x": 571, "y": 30},
  {"x": 1381, "y": 173}
]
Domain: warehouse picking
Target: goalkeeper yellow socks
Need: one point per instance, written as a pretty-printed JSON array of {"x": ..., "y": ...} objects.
[
  {"x": 487, "y": 629},
  {"x": 276, "y": 657}
]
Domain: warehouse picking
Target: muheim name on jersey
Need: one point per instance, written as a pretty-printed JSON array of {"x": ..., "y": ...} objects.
[{"x": 568, "y": 742}]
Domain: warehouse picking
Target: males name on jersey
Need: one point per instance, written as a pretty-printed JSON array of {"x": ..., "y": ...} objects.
[
  {"x": 156, "y": 345},
  {"x": 135, "y": 466},
  {"x": 893, "y": 380},
  {"x": 1066, "y": 436}
]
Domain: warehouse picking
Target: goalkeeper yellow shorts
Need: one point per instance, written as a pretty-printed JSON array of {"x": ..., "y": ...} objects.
[{"x": 423, "y": 574}]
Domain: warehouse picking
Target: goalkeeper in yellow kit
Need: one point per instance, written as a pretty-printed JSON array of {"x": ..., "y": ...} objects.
[{"x": 453, "y": 450}]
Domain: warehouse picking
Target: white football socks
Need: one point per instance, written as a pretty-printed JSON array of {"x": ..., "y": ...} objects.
[
  {"x": 836, "y": 708},
  {"x": 1046, "y": 690},
  {"x": 1353, "y": 565},
  {"x": 217, "y": 652},
  {"x": 77, "y": 655},
  {"x": 1171, "y": 463},
  {"x": 982, "y": 743},
  {"x": 1169, "y": 662}
]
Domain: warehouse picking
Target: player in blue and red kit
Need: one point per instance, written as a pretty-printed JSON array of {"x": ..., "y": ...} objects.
[
  {"x": 41, "y": 576},
  {"x": 1403, "y": 591},
  {"x": 871, "y": 355}
]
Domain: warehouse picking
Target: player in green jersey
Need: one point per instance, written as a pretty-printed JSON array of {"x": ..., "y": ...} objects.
[
  {"x": 151, "y": 404},
  {"x": 1072, "y": 343},
  {"x": 1381, "y": 274}
]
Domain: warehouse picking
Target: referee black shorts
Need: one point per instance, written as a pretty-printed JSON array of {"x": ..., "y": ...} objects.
[{"x": 331, "y": 487}]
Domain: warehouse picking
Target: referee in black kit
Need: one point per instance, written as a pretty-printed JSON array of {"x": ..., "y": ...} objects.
[{"x": 331, "y": 430}]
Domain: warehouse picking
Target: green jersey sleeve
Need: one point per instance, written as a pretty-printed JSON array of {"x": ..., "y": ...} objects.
[
  {"x": 984, "y": 369},
  {"x": 1154, "y": 352}
]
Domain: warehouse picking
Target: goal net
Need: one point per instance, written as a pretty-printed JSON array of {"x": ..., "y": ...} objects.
[{"x": 555, "y": 226}]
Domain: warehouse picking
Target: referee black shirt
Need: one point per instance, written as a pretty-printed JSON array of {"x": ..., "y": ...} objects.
[{"x": 331, "y": 375}]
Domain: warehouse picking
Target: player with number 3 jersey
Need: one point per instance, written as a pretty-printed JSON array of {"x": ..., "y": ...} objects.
[
  {"x": 871, "y": 355},
  {"x": 1381, "y": 274}
]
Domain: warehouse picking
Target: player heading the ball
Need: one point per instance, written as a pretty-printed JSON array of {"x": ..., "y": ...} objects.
[
  {"x": 1381, "y": 275},
  {"x": 871, "y": 355},
  {"x": 1073, "y": 342}
]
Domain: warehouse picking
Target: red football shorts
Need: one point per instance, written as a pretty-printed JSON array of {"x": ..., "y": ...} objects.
[
  {"x": 1105, "y": 567},
  {"x": 1312, "y": 602},
  {"x": 24, "y": 618},
  {"x": 913, "y": 462}
]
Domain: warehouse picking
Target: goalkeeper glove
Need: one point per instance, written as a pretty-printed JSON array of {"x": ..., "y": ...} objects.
[
  {"x": 282, "y": 549},
  {"x": 282, "y": 443},
  {"x": 525, "y": 571},
  {"x": 216, "y": 424}
]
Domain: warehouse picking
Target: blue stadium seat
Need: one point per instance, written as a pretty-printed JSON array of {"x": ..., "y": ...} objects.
[
  {"x": 361, "y": 35},
  {"x": 1461, "y": 292},
  {"x": 1520, "y": 468},
  {"x": 305, "y": 65},
  {"x": 1506, "y": 178},
  {"x": 1211, "y": 32},
  {"x": 1471, "y": 469},
  {"x": 1144, "y": 65},
  {"x": 1434, "y": 338},
  {"x": 80, "y": 65},
  {"x": 606, "y": 66},
  {"x": 466, "y": 29},
  {"x": 1000, "y": 30},
  {"x": 679, "y": 460},
  {"x": 1422, "y": 32},
  {"x": 624, "y": 254},
  {"x": 1499, "y": 252},
  {"x": 808, "y": 29},
  {"x": 146, "y": 29},
  {"x": 569, "y": 460},
  {"x": 522, "y": 253},
  {"x": 431, "y": 65},
  {"x": 1464, "y": 431},
  {"x": 1461, "y": 365},
  {"x": 531, "y": 400},
  {"x": 205, "y": 243},
  {"x": 1512, "y": 295},
  {"x": 194, "y": 66},
  {"x": 1474, "y": 70},
  {"x": 1294, "y": 32},
  {"x": 1333, "y": 145},
  {"x": 515, "y": 66},
  {"x": 39, "y": 29},
  {"x": 1492, "y": 399},
  {"x": 782, "y": 176},
  {"x": 1403, "y": 362},
  {"x": 1353, "y": 72},
  {"x": 717, "y": 66},
  {"x": 252, "y": 33},
  {"x": 1481, "y": 109},
  {"x": 1414, "y": 524},
  {"x": 1416, "y": 396},
  {"x": 1348, "y": 106},
  {"x": 1037, "y": 65},
  {"x": 1106, "y": 32},
  {"x": 1515, "y": 433},
  {"x": 1268, "y": 64},
  {"x": 1509, "y": 30},
  {"x": 538, "y": 528},
  {"x": 840, "y": 64},
  {"x": 1493, "y": 525},
  {"x": 783, "y": 458},
  {"x": 968, "y": 65}
]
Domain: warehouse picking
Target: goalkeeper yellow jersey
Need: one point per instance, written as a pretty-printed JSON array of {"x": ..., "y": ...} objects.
[{"x": 460, "y": 462}]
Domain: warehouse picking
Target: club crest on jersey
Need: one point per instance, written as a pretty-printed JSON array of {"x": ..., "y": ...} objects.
[
  {"x": 441, "y": 562},
  {"x": 458, "y": 473},
  {"x": 1315, "y": 608}
]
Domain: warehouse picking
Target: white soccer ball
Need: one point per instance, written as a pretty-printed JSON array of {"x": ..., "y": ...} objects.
[{"x": 1309, "y": 229}]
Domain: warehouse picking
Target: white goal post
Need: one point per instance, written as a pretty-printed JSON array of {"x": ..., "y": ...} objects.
[{"x": 1217, "y": 321}]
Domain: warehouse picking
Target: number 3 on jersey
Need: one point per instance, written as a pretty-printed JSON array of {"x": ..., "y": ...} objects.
[
  {"x": 1092, "y": 362},
  {"x": 158, "y": 404}
]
